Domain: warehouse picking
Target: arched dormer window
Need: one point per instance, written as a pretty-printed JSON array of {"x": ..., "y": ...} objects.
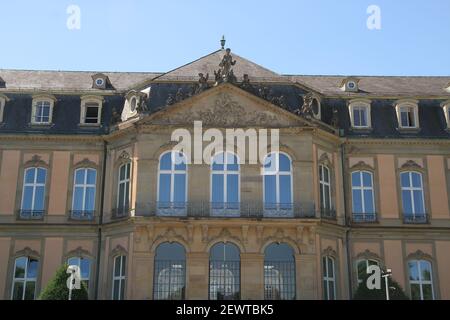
[
  {"x": 407, "y": 114},
  {"x": 359, "y": 110},
  {"x": 91, "y": 110},
  {"x": 42, "y": 109}
]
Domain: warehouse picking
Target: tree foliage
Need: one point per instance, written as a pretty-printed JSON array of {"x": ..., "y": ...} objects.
[
  {"x": 57, "y": 288},
  {"x": 395, "y": 291}
]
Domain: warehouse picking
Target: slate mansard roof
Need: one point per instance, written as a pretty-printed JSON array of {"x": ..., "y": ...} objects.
[{"x": 68, "y": 87}]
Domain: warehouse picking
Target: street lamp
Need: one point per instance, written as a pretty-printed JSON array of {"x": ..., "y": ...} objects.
[{"x": 386, "y": 275}]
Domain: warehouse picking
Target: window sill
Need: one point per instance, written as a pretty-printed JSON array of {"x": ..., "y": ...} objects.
[
  {"x": 89, "y": 125},
  {"x": 362, "y": 129},
  {"x": 40, "y": 125},
  {"x": 408, "y": 129}
]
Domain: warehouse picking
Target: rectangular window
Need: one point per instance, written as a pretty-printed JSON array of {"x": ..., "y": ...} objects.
[
  {"x": 25, "y": 277},
  {"x": 329, "y": 282},
  {"x": 118, "y": 285},
  {"x": 91, "y": 113},
  {"x": 123, "y": 194},
  {"x": 362, "y": 196},
  {"x": 412, "y": 197},
  {"x": 421, "y": 280},
  {"x": 42, "y": 112},
  {"x": 325, "y": 189},
  {"x": 407, "y": 117},
  {"x": 33, "y": 194},
  {"x": 360, "y": 117}
]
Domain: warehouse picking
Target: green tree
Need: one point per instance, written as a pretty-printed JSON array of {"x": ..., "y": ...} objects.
[
  {"x": 395, "y": 291},
  {"x": 57, "y": 288}
]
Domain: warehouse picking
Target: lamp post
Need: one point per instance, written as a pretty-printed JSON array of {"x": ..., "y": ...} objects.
[{"x": 386, "y": 275}]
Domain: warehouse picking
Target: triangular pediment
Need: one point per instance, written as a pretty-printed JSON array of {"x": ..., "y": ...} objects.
[
  {"x": 209, "y": 63},
  {"x": 226, "y": 106}
]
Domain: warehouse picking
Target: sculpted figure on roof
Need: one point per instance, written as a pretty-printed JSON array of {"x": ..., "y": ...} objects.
[{"x": 225, "y": 66}]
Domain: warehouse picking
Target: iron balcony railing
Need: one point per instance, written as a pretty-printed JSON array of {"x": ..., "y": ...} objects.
[
  {"x": 232, "y": 210},
  {"x": 31, "y": 214},
  {"x": 417, "y": 218},
  {"x": 82, "y": 215},
  {"x": 364, "y": 217},
  {"x": 327, "y": 213}
]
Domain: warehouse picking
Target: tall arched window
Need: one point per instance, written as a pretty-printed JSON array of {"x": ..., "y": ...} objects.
[
  {"x": 362, "y": 196},
  {"x": 123, "y": 190},
  {"x": 412, "y": 197},
  {"x": 172, "y": 184},
  {"x": 33, "y": 195},
  {"x": 329, "y": 278},
  {"x": 169, "y": 280},
  {"x": 224, "y": 272},
  {"x": 325, "y": 191},
  {"x": 84, "y": 189},
  {"x": 362, "y": 266},
  {"x": 119, "y": 277},
  {"x": 25, "y": 277},
  {"x": 277, "y": 173},
  {"x": 225, "y": 195},
  {"x": 279, "y": 272},
  {"x": 421, "y": 280},
  {"x": 85, "y": 268}
]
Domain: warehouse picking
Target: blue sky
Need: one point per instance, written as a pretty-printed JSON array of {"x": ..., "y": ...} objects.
[{"x": 289, "y": 37}]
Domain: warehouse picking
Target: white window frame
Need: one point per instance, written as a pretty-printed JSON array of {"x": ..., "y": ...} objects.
[
  {"x": 445, "y": 106},
  {"x": 421, "y": 282},
  {"x": 25, "y": 279},
  {"x": 172, "y": 173},
  {"x": 84, "y": 185},
  {"x": 121, "y": 277},
  {"x": 360, "y": 104},
  {"x": 225, "y": 172},
  {"x": 413, "y": 104},
  {"x": 325, "y": 184},
  {"x": 42, "y": 98},
  {"x": 367, "y": 265},
  {"x": 361, "y": 188},
  {"x": 328, "y": 279},
  {"x": 411, "y": 190},
  {"x": 88, "y": 279},
  {"x": 3, "y": 100},
  {"x": 34, "y": 185},
  {"x": 86, "y": 100},
  {"x": 277, "y": 173},
  {"x": 124, "y": 181}
]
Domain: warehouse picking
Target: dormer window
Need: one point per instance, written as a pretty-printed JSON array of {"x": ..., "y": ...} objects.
[
  {"x": 42, "y": 109},
  {"x": 360, "y": 113},
  {"x": 100, "y": 81},
  {"x": 407, "y": 114},
  {"x": 91, "y": 110},
  {"x": 3, "y": 100},
  {"x": 2, "y": 83},
  {"x": 446, "y": 107},
  {"x": 133, "y": 103},
  {"x": 350, "y": 84}
]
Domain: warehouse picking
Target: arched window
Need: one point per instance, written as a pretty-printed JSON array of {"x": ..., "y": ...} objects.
[
  {"x": 225, "y": 195},
  {"x": 277, "y": 173},
  {"x": 172, "y": 184},
  {"x": 329, "y": 278},
  {"x": 362, "y": 266},
  {"x": 119, "y": 277},
  {"x": 279, "y": 272},
  {"x": 412, "y": 197},
  {"x": 123, "y": 190},
  {"x": 84, "y": 189},
  {"x": 33, "y": 195},
  {"x": 224, "y": 272},
  {"x": 421, "y": 280},
  {"x": 362, "y": 196},
  {"x": 325, "y": 190},
  {"x": 169, "y": 280},
  {"x": 85, "y": 268},
  {"x": 25, "y": 277}
]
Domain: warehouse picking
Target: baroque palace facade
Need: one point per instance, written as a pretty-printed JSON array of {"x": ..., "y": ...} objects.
[{"x": 88, "y": 177}]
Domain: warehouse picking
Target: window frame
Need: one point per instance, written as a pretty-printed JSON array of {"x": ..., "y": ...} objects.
[
  {"x": 121, "y": 278},
  {"x": 79, "y": 258},
  {"x": 326, "y": 279},
  {"x": 225, "y": 173},
  {"x": 84, "y": 185},
  {"x": 25, "y": 279},
  {"x": 3, "y": 100},
  {"x": 277, "y": 173},
  {"x": 421, "y": 282},
  {"x": 34, "y": 185},
  {"x": 361, "y": 188},
  {"x": 411, "y": 190},
  {"x": 322, "y": 182},
  {"x": 363, "y": 104},
  {"x": 412, "y": 104},
  {"x": 126, "y": 180},
  {"x": 38, "y": 99},
  {"x": 173, "y": 171},
  {"x": 85, "y": 101}
]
